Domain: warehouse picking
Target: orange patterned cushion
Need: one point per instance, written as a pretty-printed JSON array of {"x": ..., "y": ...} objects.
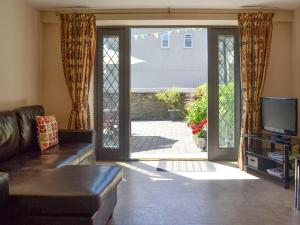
[{"x": 47, "y": 131}]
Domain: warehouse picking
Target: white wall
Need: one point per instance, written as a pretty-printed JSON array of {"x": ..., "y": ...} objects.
[
  {"x": 20, "y": 55},
  {"x": 168, "y": 67},
  {"x": 279, "y": 80}
]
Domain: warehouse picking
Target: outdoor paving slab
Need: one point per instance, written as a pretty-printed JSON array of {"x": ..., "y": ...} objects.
[{"x": 163, "y": 139}]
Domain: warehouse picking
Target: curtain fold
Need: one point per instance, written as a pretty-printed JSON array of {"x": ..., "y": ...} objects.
[
  {"x": 255, "y": 40},
  {"x": 78, "y": 47}
]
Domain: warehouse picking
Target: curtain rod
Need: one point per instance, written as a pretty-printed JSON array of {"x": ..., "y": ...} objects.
[{"x": 167, "y": 11}]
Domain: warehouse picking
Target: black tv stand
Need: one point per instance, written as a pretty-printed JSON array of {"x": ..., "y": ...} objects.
[
  {"x": 257, "y": 156},
  {"x": 280, "y": 139}
]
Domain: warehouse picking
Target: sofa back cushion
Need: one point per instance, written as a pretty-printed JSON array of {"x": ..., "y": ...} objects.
[
  {"x": 27, "y": 126},
  {"x": 9, "y": 135}
]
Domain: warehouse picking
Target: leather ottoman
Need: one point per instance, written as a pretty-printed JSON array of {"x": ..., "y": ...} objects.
[{"x": 77, "y": 195}]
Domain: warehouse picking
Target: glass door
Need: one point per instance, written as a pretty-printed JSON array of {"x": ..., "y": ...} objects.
[
  {"x": 112, "y": 94},
  {"x": 224, "y": 94}
]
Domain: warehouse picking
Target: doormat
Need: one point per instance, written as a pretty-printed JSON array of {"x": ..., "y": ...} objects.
[{"x": 185, "y": 166}]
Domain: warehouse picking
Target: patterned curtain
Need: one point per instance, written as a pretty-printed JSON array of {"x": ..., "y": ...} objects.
[
  {"x": 78, "y": 46},
  {"x": 255, "y": 37}
]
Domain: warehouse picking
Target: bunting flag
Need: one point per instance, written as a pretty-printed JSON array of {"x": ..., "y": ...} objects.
[{"x": 169, "y": 32}]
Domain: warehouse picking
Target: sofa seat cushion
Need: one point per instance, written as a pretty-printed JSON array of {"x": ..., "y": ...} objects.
[
  {"x": 35, "y": 160},
  {"x": 82, "y": 150},
  {"x": 76, "y": 190}
]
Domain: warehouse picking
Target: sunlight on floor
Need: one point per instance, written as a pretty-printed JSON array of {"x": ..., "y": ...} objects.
[
  {"x": 137, "y": 169},
  {"x": 221, "y": 171}
]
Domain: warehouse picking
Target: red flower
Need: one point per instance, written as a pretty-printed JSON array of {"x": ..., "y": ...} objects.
[
  {"x": 204, "y": 121},
  {"x": 193, "y": 125},
  {"x": 196, "y": 130},
  {"x": 198, "y": 127}
]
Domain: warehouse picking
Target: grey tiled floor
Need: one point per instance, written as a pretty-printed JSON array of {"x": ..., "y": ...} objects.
[
  {"x": 224, "y": 197},
  {"x": 163, "y": 139}
]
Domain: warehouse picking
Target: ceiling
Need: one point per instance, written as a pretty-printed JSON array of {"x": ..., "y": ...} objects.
[{"x": 205, "y": 4}]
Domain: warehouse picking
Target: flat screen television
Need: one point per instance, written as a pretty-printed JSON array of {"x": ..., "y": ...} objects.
[{"x": 279, "y": 115}]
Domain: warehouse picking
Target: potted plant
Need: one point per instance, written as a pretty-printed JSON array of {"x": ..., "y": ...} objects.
[
  {"x": 196, "y": 109},
  {"x": 171, "y": 97},
  {"x": 199, "y": 134},
  {"x": 196, "y": 115}
]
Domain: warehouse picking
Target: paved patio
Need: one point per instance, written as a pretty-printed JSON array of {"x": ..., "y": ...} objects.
[{"x": 163, "y": 140}]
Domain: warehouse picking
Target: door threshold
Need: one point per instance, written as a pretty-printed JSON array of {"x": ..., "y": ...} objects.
[
  {"x": 161, "y": 156},
  {"x": 170, "y": 159}
]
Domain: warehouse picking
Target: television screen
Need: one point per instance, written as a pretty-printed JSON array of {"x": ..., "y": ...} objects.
[{"x": 279, "y": 115}]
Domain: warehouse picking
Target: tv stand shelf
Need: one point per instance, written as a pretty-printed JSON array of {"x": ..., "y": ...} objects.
[
  {"x": 257, "y": 150},
  {"x": 263, "y": 154}
]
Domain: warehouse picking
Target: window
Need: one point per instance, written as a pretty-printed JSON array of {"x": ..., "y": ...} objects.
[
  {"x": 188, "y": 43},
  {"x": 164, "y": 40}
]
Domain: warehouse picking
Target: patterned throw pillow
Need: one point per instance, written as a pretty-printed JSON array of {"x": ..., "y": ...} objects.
[{"x": 47, "y": 131}]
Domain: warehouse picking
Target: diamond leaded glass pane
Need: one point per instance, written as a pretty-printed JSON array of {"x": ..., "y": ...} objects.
[
  {"x": 226, "y": 91},
  {"x": 110, "y": 92}
]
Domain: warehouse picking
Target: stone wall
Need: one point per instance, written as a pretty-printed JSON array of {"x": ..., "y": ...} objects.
[{"x": 145, "y": 106}]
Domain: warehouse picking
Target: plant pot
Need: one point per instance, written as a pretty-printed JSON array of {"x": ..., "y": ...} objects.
[
  {"x": 200, "y": 142},
  {"x": 174, "y": 114}
]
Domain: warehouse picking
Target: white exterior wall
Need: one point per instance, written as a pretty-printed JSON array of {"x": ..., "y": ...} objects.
[{"x": 173, "y": 67}]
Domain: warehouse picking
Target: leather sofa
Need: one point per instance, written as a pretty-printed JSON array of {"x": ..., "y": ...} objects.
[
  {"x": 19, "y": 148},
  {"x": 3, "y": 189},
  {"x": 57, "y": 186}
]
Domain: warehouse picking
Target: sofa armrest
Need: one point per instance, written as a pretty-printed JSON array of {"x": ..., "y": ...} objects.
[
  {"x": 75, "y": 136},
  {"x": 4, "y": 191}
]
